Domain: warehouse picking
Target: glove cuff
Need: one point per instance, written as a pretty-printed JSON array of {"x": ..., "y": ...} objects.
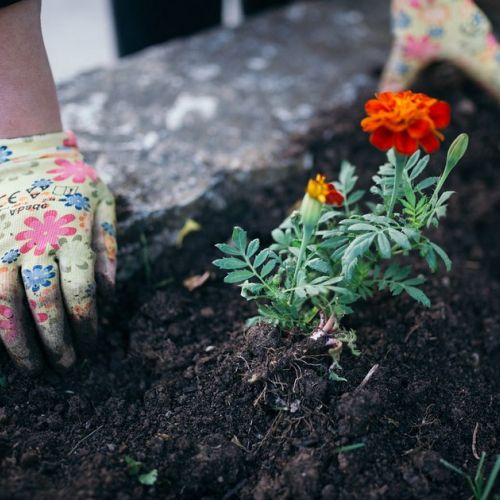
[{"x": 34, "y": 146}]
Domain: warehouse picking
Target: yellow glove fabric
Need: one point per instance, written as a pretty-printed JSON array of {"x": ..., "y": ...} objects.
[
  {"x": 429, "y": 30},
  {"x": 57, "y": 233}
]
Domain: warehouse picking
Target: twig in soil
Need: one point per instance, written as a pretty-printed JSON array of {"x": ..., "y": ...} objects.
[
  {"x": 412, "y": 329},
  {"x": 260, "y": 396},
  {"x": 298, "y": 377},
  {"x": 302, "y": 360},
  {"x": 474, "y": 442},
  {"x": 277, "y": 382},
  {"x": 271, "y": 429},
  {"x": 425, "y": 420},
  {"x": 84, "y": 439},
  {"x": 246, "y": 362},
  {"x": 237, "y": 443},
  {"x": 367, "y": 378}
]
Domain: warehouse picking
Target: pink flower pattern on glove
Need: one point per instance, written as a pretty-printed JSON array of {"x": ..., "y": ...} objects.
[
  {"x": 77, "y": 171},
  {"x": 70, "y": 141},
  {"x": 8, "y": 317},
  {"x": 41, "y": 316},
  {"x": 46, "y": 232},
  {"x": 420, "y": 48},
  {"x": 7, "y": 323}
]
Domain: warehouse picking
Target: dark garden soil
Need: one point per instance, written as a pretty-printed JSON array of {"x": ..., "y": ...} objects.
[{"x": 221, "y": 412}]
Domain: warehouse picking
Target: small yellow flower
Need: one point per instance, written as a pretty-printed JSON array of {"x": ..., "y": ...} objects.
[
  {"x": 318, "y": 193},
  {"x": 324, "y": 192}
]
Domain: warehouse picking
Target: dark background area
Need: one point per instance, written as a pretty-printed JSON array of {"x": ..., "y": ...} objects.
[{"x": 141, "y": 23}]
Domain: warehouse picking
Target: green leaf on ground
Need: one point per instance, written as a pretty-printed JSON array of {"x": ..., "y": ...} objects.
[
  {"x": 349, "y": 447},
  {"x": 149, "y": 478},
  {"x": 133, "y": 466}
]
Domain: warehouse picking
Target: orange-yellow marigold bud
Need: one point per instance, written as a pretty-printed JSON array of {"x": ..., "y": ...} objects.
[{"x": 324, "y": 192}]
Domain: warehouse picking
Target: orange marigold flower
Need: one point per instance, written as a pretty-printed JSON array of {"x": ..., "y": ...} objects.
[
  {"x": 406, "y": 121},
  {"x": 324, "y": 192}
]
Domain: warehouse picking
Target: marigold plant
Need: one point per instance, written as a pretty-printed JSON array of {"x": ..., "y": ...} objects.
[{"x": 338, "y": 248}]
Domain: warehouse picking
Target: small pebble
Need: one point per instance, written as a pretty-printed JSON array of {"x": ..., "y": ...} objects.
[
  {"x": 466, "y": 107},
  {"x": 207, "y": 312}
]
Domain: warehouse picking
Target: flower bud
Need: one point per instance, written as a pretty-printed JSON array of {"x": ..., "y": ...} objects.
[
  {"x": 318, "y": 192},
  {"x": 310, "y": 210}
]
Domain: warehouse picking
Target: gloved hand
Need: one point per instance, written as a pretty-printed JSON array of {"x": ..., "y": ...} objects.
[
  {"x": 453, "y": 30},
  {"x": 57, "y": 219}
]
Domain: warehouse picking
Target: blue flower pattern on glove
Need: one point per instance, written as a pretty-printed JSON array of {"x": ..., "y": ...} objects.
[
  {"x": 42, "y": 184},
  {"x": 108, "y": 228},
  {"x": 403, "y": 69},
  {"x": 11, "y": 256},
  {"x": 4, "y": 154},
  {"x": 436, "y": 32},
  {"x": 402, "y": 20},
  {"x": 38, "y": 277},
  {"x": 90, "y": 290},
  {"x": 76, "y": 200}
]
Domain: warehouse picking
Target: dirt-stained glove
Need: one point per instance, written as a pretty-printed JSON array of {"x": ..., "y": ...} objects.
[
  {"x": 57, "y": 235},
  {"x": 430, "y": 30}
]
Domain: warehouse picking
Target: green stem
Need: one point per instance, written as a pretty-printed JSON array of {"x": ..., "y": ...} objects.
[
  {"x": 431, "y": 206},
  {"x": 346, "y": 207},
  {"x": 306, "y": 236},
  {"x": 400, "y": 166}
]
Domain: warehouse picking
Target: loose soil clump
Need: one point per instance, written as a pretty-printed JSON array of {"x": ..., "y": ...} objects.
[{"x": 223, "y": 412}]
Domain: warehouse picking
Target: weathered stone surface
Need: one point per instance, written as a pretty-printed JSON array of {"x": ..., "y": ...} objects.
[{"x": 179, "y": 128}]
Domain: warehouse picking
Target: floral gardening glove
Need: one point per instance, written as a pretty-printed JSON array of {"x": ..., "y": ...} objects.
[
  {"x": 429, "y": 30},
  {"x": 57, "y": 220}
]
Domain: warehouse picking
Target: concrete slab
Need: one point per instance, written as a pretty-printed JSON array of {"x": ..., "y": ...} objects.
[{"x": 179, "y": 128}]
